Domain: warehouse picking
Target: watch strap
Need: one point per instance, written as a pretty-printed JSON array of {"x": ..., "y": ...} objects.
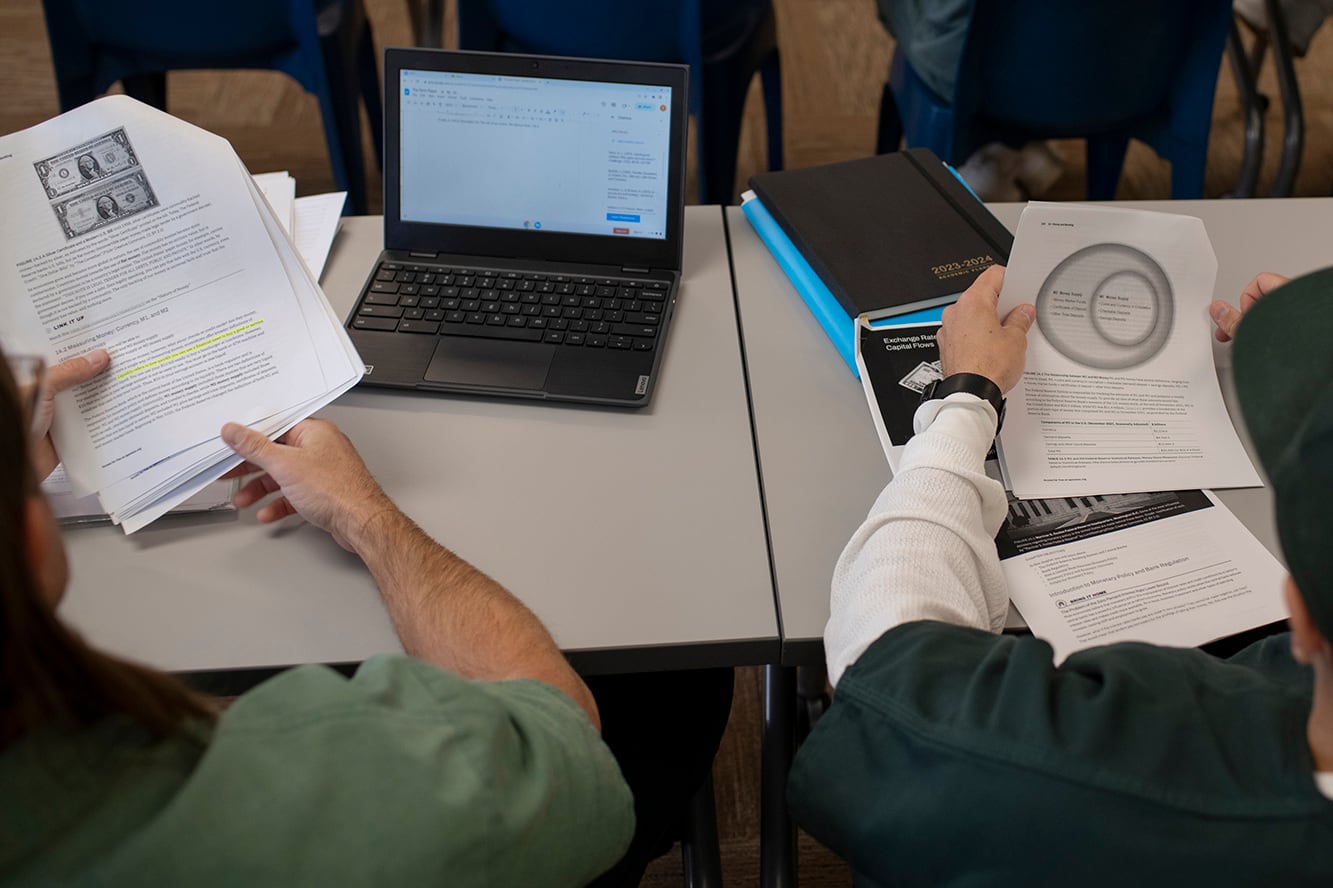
[{"x": 972, "y": 384}]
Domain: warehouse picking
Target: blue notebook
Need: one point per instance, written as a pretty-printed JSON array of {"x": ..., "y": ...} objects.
[{"x": 841, "y": 328}]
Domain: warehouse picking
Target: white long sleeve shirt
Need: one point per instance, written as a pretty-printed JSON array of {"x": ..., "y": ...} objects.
[{"x": 926, "y": 551}]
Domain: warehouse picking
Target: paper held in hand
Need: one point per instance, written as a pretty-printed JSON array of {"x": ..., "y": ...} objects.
[
  {"x": 1171, "y": 567},
  {"x": 128, "y": 229},
  {"x": 1120, "y": 393}
]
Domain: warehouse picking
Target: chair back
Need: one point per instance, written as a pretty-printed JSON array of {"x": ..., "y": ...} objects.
[
  {"x": 110, "y": 41},
  {"x": 722, "y": 41},
  {"x": 641, "y": 31},
  {"x": 1105, "y": 70},
  {"x": 324, "y": 45},
  {"x": 1076, "y": 69}
]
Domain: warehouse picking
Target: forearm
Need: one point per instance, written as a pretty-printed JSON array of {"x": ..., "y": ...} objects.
[
  {"x": 451, "y": 614},
  {"x": 926, "y": 551}
]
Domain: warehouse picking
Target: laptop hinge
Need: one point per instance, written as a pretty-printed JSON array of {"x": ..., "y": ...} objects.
[
  {"x": 629, "y": 269},
  {"x": 419, "y": 254}
]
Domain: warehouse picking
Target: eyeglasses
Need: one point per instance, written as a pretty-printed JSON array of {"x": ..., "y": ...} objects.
[{"x": 29, "y": 372}]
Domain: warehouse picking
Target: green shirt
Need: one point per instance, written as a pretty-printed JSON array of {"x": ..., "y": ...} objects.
[
  {"x": 954, "y": 757},
  {"x": 403, "y": 775}
]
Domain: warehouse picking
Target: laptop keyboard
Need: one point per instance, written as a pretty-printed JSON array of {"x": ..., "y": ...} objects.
[{"x": 588, "y": 312}]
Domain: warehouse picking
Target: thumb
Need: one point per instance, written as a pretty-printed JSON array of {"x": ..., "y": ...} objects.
[
  {"x": 1021, "y": 317},
  {"x": 1224, "y": 316},
  {"x": 247, "y": 443},
  {"x": 74, "y": 371}
]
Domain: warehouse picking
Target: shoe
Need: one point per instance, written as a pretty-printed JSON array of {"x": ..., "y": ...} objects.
[
  {"x": 1038, "y": 168},
  {"x": 990, "y": 173}
]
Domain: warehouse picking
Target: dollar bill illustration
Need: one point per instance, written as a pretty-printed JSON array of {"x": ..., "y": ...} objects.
[
  {"x": 85, "y": 165},
  {"x": 922, "y": 375},
  {"x": 104, "y": 204}
]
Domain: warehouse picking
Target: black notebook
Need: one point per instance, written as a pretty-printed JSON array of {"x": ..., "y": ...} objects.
[{"x": 889, "y": 234}]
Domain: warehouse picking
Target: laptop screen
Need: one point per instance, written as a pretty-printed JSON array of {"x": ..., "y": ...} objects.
[{"x": 535, "y": 153}]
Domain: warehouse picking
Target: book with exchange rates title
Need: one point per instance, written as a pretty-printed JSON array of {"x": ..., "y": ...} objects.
[{"x": 892, "y": 236}]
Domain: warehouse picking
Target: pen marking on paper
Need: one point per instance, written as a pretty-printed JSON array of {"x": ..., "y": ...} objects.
[{"x": 193, "y": 348}]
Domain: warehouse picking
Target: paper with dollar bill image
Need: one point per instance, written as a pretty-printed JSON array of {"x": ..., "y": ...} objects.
[
  {"x": 128, "y": 229},
  {"x": 1120, "y": 392},
  {"x": 1170, "y": 567}
]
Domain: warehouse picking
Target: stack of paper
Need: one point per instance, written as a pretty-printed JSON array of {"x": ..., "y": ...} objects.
[
  {"x": 134, "y": 231},
  {"x": 311, "y": 222}
]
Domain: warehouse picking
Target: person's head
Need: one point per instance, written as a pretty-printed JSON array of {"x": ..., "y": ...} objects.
[
  {"x": 47, "y": 673},
  {"x": 88, "y": 167},
  {"x": 1283, "y": 362},
  {"x": 107, "y": 206}
]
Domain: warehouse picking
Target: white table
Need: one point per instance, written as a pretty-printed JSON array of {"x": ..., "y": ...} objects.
[{"x": 635, "y": 535}]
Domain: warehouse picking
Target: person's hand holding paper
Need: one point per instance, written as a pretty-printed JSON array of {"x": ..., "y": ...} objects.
[
  {"x": 1120, "y": 394},
  {"x": 975, "y": 340},
  {"x": 1226, "y": 316},
  {"x": 61, "y": 376}
]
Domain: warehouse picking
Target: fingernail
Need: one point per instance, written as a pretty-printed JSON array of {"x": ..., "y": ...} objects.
[
  {"x": 1217, "y": 311},
  {"x": 231, "y": 434}
]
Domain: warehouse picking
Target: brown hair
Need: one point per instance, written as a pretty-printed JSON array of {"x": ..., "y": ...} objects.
[{"x": 48, "y": 674}]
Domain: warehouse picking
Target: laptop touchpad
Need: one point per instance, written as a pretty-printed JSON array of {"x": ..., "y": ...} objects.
[{"x": 490, "y": 363}]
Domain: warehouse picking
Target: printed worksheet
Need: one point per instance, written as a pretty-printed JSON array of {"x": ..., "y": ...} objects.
[
  {"x": 1120, "y": 393},
  {"x": 134, "y": 231},
  {"x": 1173, "y": 567}
]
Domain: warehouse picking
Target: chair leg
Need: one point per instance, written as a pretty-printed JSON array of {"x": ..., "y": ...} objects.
[
  {"x": 1253, "y": 105},
  {"x": 777, "y": 831},
  {"x": 725, "y": 85},
  {"x": 151, "y": 89},
  {"x": 890, "y": 134},
  {"x": 1293, "y": 139},
  {"x": 372, "y": 93},
  {"x": 1106, "y": 158},
  {"x": 341, "y": 109},
  {"x": 701, "y": 854},
  {"x": 771, "y": 78}
]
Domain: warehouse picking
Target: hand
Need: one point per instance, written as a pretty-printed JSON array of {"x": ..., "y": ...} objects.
[
  {"x": 974, "y": 340},
  {"x": 318, "y": 472},
  {"x": 59, "y": 377},
  {"x": 1227, "y": 317}
]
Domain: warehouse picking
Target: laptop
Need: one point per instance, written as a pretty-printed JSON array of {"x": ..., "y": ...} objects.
[{"x": 533, "y": 225}]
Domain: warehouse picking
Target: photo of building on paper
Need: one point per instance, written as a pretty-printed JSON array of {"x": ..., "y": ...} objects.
[{"x": 1041, "y": 523}]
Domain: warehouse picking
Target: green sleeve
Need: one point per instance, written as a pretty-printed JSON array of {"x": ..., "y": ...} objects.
[
  {"x": 405, "y": 774},
  {"x": 948, "y": 746}
]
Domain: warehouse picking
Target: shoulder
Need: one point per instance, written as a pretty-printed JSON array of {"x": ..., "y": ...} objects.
[
  {"x": 1003, "y": 698},
  {"x": 438, "y": 771},
  {"x": 1171, "y": 726},
  {"x": 955, "y": 737}
]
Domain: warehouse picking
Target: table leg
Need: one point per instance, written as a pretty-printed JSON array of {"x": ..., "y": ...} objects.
[{"x": 777, "y": 832}]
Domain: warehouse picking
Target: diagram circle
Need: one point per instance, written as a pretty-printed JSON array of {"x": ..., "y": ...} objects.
[{"x": 1108, "y": 306}]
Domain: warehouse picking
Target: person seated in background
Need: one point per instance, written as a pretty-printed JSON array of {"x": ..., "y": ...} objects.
[
  {"x": 473, "y": 760},
  {"x": 955, "y": 755},
  {"x": 931, "y": 34}
]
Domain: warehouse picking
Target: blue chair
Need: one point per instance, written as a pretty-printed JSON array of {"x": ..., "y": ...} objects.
[
  {"x": 724, "y": 43},
  {"x": 1106, "y": 71},
  {"x": 325, "y": 45}
]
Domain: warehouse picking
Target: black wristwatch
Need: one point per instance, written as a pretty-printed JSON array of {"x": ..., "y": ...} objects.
[{"x": 973, "y": 384}]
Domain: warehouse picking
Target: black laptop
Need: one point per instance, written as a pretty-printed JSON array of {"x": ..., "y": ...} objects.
[{"x": 533, "y": 217}]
